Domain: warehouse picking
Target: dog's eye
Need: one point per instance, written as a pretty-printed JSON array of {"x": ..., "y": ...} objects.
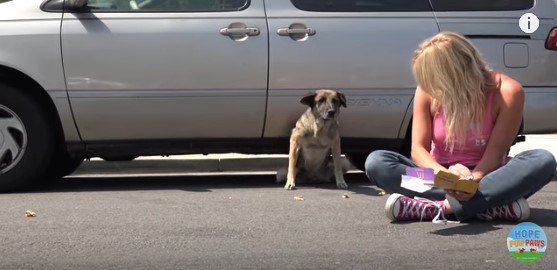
[
  {"x": 321, "y": 100},
  {"x": 335, "y": 101}
]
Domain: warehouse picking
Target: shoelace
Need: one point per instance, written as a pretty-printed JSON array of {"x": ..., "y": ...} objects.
[
  {"x": 505, "y": 212},
  {"x": 410, "y": 207},
  {"x": 440, "y": 217}
]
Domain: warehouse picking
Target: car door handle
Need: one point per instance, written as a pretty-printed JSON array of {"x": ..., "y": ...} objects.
[
  {"x": 250, "y": 31},
  {"x": 295, "y": 31}
]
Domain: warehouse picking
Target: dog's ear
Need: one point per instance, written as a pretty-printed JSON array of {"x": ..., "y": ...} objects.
[
  {"x": 308, "y": 100},
  {"x": 342, "y": 99}
]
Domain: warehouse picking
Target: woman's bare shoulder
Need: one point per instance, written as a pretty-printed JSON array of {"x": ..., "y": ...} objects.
[
  {"x": 423, "y": 99},
  {"x": 509, "y": 88},
  {"x": 508, "y": 96}
]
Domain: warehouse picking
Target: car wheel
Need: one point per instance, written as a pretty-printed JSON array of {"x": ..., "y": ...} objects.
[{"x": 26, "y": 140}]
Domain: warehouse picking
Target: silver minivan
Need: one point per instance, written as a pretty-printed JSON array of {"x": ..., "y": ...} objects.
[{"x": 122, "y": 78}]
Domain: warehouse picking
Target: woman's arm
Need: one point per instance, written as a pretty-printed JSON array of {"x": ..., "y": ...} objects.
[
  {"x": 509, "y": 116},
  {"x": 422, "y": 132}
]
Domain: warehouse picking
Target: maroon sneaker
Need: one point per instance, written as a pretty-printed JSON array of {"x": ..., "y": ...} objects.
[
  {"x": 518, "y": 210},
  {"x": 402, "y": 208}
]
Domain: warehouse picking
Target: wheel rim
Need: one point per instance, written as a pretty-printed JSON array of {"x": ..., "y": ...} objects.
[{"x": 13, "y": 139}]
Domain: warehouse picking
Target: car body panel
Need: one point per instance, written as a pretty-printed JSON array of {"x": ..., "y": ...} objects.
[
  {"x": 126, "y": 71},
  {"x": 156, "y": 82},
  {"x": 365, "y": 55},
  {"x": 30, "y": 44}
]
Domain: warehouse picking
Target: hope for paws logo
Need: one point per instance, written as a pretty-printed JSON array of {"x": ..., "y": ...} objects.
[{"x": 527, "y": 242}]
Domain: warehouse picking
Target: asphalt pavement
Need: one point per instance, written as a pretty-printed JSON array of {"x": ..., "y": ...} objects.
[{"x": 147, "y": 215}]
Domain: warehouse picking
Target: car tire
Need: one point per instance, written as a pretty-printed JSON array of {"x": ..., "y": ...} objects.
[{"x": 26, "y": 139}]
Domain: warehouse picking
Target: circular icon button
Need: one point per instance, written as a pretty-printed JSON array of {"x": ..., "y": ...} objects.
[{"x": 529, "y": 23}]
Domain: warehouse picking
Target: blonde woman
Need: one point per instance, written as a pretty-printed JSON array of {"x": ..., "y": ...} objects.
[{"x": 466, "y": 117}]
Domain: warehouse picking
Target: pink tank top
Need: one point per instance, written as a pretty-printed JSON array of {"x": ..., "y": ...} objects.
[{"x": 473, "y": 149}]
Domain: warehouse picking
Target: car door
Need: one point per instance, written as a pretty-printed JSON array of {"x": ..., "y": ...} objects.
[
  {"x": 158, "y": 69},
  {"x": 362, "y": 48}
]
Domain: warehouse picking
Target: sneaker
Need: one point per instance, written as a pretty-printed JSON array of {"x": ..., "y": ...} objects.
[
  {"x": 518, "y": 210},
  {"x": 402, "y": 208}
]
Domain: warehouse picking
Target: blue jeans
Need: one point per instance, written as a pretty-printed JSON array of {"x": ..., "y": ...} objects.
[{"x": 522, "y": 176}]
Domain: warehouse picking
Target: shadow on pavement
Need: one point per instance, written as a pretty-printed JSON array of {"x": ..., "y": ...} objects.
[
  {"x": 543, "y": 217},
  {"x": 358, "y": 183},
  {"x": 473, "y": 228},
  {"x": 539, "y": 216}
]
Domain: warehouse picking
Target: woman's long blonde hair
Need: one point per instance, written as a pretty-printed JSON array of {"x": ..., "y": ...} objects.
[{"x": 452, "y": 71}]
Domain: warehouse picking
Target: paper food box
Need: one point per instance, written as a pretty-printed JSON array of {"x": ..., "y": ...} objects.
[{"x": 447, "y": 180}]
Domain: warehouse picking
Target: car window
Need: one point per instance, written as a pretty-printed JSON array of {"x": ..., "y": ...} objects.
[
  {"x": 362, "y": 5},
  {"x": 481, "y": 5},
  {"x": 167, "y": 5}
]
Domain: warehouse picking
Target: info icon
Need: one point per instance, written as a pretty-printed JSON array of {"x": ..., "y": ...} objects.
[{"x": 529, "y": 23}]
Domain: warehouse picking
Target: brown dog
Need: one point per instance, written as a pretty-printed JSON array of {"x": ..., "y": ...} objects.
[{"x": 315, "y": 141}]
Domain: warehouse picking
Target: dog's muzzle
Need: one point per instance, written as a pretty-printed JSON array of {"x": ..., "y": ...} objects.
[{"x": 331, "y": 114}]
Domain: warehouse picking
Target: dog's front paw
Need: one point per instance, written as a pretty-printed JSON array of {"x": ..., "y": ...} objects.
[
  {"x": 289, "y": 186},
  {"x": 342, "y": 185}
]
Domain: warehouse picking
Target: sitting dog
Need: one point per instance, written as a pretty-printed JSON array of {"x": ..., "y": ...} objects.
[{"x": 314, "y": 153}]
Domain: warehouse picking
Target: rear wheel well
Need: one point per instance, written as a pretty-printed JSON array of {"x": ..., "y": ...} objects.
[{"x": 35, "y": 91}]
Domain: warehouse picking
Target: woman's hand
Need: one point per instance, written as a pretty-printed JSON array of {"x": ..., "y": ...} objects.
[
  {"x": 460, "y": 170},
  {"x": 459, "y": 195},
  {"x": 463, "y": 172}
]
